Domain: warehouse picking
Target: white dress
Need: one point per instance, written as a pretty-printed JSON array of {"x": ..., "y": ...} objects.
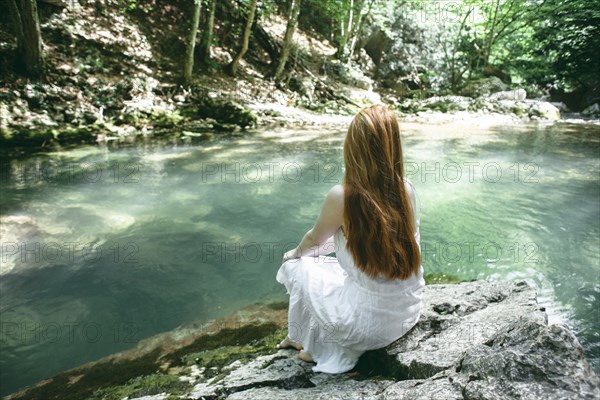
[{"x": 337, "y": 312}]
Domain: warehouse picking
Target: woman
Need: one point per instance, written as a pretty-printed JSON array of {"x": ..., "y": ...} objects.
[{"x": 370, "y": 294}]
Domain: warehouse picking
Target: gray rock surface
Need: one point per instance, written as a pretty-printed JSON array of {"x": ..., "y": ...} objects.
[
  {"x": 458, "y": 317},
  {"x": 483, "y": 87},
  {"x": 517, "y": 95},
  {"x": 592, "y": 110},
  {"x": 504, "y": 103},
  {"x": 474, "y": 340},
  {"x": 346, "y": 389}
]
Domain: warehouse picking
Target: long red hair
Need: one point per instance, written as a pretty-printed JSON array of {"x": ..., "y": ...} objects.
[{"x": 378, "y": 213}]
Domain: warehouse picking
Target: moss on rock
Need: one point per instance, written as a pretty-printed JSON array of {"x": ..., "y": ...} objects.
[
  {"x": 441, "y": 277},
  {"x": 143, "y": 386}
]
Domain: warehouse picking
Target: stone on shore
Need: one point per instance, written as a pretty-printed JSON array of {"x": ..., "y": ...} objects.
[
  {"x": 483, "y": 87},
  {"x": 474, "y": 340}
]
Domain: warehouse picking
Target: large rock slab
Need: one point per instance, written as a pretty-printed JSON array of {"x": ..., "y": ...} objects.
[
  {"x": 344, "y": 388},
  {"x": 458, "y": 317},
  {"x": 483, "y": 87},
  {"x": 474, "y": 340},
  {"x": 431, "y": 389},
  {"x": 528, "y": 361}
]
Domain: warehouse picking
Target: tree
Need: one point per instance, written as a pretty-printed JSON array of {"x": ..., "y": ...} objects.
[
  {"x": 568, "y": 43},
  {"x": 245, "y": 39},
  {"x": 356, "y": 30},
  {"x": 188, "y": 65},
  {"x": 26, "y": 24},
  {"x": 207, "y": 32},
  {"x": 352, "y": 16},
  {"x": 286, "y": 47}
]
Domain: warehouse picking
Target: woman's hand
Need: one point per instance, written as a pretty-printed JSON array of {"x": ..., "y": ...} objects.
[{"x": 289, "y": 255}]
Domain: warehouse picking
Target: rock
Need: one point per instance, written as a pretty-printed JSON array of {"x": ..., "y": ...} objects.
[
  {"x": 90, "y": 117},
  {"x": 454, "y": 318},
  {"x": 474, "y": 340},
  {"x": 365, "y": 62},
  {"x": 562, "y": 107},
  {"x": 447, "y": 103},
  {"x": 345, "y": 388},
  {"x": 275, "y": 369},
  {"x": 483, "y": 87},
  {"x": 225, "y": 111},
  {"x": 543, "y": 110},
  {"x": 594, "y": 109},
  {"x": 161, "y": 396},
  {"x": 434, "y": 389},
  {"x": 528, "y": 360},
  {"x": 303, "y": 86},
  {"x": 517, "y": 95},
  {"x": 349, "y": 74},
  {"x": 33, "y": 96},
  {"x": 267, "y": 370}
]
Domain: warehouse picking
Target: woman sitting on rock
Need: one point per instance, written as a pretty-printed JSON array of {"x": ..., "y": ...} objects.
[{"x": 370, "y": 293}]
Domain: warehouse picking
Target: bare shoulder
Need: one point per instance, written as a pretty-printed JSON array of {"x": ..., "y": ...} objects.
[
  {"x": 409, "y": 187},
  {"x": 335, "y": 199},
  {"x": 336, "y": 195}
]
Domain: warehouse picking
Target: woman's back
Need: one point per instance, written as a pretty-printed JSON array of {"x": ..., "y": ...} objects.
[
  {"x": 348, "y": 263},
  {"x": 370, "y": 294}
]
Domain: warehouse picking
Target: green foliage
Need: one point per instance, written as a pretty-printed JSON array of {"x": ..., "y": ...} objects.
[
  {"x": 261, "y": 337},
  {"x": 142, "y": 386},
  {"x": 332, "y": 19},
  {"x": 128, "y": 5},
  {"x": 570, "y": 40},
  {"x": 533, "y": 41}
]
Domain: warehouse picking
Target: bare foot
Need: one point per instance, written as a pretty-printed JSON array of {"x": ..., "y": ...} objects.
[
  {"x": 304, "y": 356},
  {"x": 285, "y": 343}
]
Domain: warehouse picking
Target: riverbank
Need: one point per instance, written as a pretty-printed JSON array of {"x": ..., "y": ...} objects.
[
  {"x": 117, "y": 79},
  {"x": 474, "y": 340},
  {"x": 234, "y": 118}
]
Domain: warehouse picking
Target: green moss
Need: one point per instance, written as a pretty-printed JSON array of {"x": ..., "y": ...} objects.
[
  {"x": 441, "y": 277},
  {"x": 220, "y": 357},
  {"x": 166, "y": 119},
  {"x": 70, "y": 135},
  {"x": 225, "y": 111},
  {"x": 260, "y": 337},
  {"x": 225, "y": 355},
  {"x": 109, "y": 378},
  {"x": 278, "y": 305},
  {"x": 87, "y": 381},
  {"x": 25, "y": 137},
  {"x": 133, "y": 118},
  {"x": 64, "y": 135},
  {"x": 143, "y": 386}
]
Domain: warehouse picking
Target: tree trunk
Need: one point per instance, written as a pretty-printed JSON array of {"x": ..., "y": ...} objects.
[
  {"x": 345, "y": 31},
  {"x": 245, "y": 39},
  {"x": 188, "y": 65},
  {"x": 207, "y": 33},
  {"x": 490, "y": 38},
  {"x": 358, "y": 29},
  {"x": 287, "y": 39},
  {"x": 455, "y": 77},
  {"x": 24, "y": 16}
]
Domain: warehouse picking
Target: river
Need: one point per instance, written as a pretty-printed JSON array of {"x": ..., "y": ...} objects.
[{"x": 105, "y": 245}]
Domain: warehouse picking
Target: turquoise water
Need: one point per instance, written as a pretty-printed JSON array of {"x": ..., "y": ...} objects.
[{"x": 104, "y": 246}]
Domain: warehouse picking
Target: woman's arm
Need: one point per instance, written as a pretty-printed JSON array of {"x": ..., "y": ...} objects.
[{"x": 318, "y": 238}]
